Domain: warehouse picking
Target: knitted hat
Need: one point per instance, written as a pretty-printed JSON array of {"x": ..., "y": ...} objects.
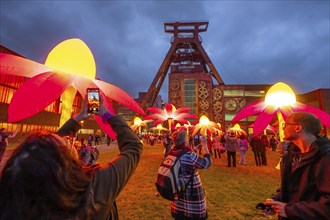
[{"x": 179, "y": 137}]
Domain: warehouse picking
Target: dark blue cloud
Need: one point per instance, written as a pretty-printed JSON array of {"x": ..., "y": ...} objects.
[{"x": 249, "y": 42}]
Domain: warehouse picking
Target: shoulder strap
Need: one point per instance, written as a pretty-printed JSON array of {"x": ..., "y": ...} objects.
[{"x": 178, "y": 154}]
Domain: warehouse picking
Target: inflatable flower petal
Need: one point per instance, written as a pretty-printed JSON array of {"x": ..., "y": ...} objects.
[
  {"x": 251, "y": 109},
  {"x": 36, "y": 94},
  {"x": 204, "y": 126},
  {"x": 323, "y": 116},
  {"x": 268, "y": 111},
  {"x": 69, "y": 67},
  {"x": 264, "y": 119},
  {"x": 169, "y": 113},
  {"x": 14, "y": 65}
]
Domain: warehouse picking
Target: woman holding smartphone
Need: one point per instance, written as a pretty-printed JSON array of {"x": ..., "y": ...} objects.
[{"x": 42, "y": 180}]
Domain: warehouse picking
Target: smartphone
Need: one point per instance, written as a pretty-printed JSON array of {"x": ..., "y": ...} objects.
[
  {"x": 265, "y": 208},
  {"x": 93, "y": 95}
]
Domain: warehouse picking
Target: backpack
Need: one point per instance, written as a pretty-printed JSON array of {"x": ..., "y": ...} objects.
[{"x": 170, "y": 182}]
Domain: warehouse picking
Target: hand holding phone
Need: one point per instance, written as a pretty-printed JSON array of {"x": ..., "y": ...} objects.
[
  {"x": 93, "y": 96},
  {"x": 267, "y": 209}
]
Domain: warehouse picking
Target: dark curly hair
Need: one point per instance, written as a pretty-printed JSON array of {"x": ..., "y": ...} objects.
[{"x": 41, "y": 180}]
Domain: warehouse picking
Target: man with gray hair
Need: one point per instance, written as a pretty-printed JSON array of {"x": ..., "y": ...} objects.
[{"x": 305, "y": 176}]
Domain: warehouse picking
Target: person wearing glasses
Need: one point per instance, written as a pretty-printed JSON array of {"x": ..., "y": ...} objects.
[{"x": 305, "y": 175}]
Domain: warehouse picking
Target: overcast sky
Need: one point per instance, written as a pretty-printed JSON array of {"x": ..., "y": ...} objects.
[{"x": 249, "y": 42}]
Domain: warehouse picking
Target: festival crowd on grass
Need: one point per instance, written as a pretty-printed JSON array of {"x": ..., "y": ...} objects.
[{"x": 47, "y": 178}]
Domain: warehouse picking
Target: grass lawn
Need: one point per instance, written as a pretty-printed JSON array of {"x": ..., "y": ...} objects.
[{"x": 232, "y": 193}]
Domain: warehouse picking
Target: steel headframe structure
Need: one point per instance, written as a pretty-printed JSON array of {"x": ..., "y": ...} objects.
[{"x": 186, "y": 44}]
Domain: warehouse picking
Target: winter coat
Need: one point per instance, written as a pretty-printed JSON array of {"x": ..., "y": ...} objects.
[
  {"x": 192, "y": 204},
  {"x": 305, "y": 187},
  {"x": 231, "y": 143},
  {"x": 109, "y": 181},
  {"x": 243, "y": 145},
  {"x": 256, "y": 144}
]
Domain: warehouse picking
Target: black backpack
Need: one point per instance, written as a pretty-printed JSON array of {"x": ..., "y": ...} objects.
[{"x": 170, "y": 182}]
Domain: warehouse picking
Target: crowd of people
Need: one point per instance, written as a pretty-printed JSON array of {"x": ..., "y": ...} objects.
[
  {"x": 305, "y": 167},
  {"x": 227, "y": 145},
  {"x": 46, "y": 177}
]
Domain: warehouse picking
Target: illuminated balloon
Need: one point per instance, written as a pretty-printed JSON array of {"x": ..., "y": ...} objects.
[
  {"x": 170, "y": 114},
  {"x": 280, "y": 99},
  {"x": 70, "y": 67}
]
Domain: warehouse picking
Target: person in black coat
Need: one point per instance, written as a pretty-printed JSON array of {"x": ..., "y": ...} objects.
[{"x": 305, "y": 179}]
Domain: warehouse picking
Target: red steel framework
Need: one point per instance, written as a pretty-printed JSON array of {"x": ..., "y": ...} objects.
[{"x": 186, "y": 46}]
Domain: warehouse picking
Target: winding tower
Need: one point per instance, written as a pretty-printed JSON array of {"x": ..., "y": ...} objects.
[{"x": 190, "y": 71}]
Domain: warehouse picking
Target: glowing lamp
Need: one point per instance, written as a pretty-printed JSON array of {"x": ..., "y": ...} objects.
[
  {"x": 236, "y": 126},
  {"x": 159, "y": 127},
  {"x": 204, "y": 120},
  {"x": 280, "y": 100},
  {"x": 169, "y": 109},
  {"x": 137, "y": 121},
  {"x": 280, "y": 94},
  {"x": 72, "y": 56}
]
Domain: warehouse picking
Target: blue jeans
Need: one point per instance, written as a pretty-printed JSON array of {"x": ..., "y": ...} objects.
[{"x": 242, "y": 160}]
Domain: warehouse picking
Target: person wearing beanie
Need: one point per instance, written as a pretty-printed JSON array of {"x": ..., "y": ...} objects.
[
  {"x": 231, "y": 147},
  {"x": 192, "y": 204}
]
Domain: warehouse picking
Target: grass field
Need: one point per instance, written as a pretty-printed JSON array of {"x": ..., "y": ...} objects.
[{"x": 232, "y": 193}]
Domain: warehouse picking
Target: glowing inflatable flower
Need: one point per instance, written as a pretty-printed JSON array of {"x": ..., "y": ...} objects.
[
  {"x": 237, "y": 129},
  {"x": 70, "y": 67},
  {"x": 170, "y": 114},
  {"x": 159, "y": 128},
  {"x": 280, "y": 100},
  {"x": 138, "y": 123},
  {"x": 204, "y": 126}
]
